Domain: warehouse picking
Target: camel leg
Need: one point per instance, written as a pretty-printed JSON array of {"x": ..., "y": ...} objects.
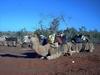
[
  {"x": 91, "y": 48},
  {"x": 70, "y": 48},
  {"x": 54, "y": 56},
  {"x": 78, "y": 47}
]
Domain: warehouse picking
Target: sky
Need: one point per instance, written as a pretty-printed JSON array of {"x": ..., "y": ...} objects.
[{"x": 18, "y": 14}]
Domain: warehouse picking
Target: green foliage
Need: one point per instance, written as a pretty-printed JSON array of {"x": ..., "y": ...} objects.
[
  {"x": 20, "y": 34},
  {"x": 70, "y": 32},
  {"x": 93, "y": 35},
  {"x": 54, "y": 24}
]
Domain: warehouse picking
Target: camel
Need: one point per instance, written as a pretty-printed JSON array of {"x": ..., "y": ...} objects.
[
  {"x": 89, "y": 46},
  {"x": 44, "y": 50},
  {"x": 78, "y": 47},
  {"x": 67, "y": 48},
  {"x": 71, "y": 48}
]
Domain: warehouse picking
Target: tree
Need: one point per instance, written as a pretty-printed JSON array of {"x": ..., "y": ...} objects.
[
  {"x": 20, "y": 34},
  {"x": 54, "y": 25},
  {"x": 70, "y": 32},
  {"x": 82, "y": 30}
]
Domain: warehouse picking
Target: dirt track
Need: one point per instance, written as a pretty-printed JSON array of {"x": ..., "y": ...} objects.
[{"x": 17, "y": 61}]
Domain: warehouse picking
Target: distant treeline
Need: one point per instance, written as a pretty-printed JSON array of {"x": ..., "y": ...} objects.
[{"x": 93, "y": 35}]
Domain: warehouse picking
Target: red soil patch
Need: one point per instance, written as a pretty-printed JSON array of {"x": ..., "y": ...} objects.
[{"x": 13, "y": 62}]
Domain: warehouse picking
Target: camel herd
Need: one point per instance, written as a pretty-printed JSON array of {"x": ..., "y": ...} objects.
[{"x": 52, "y": 52}]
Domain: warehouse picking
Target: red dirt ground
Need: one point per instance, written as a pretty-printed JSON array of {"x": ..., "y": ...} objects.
[{"x": 18, "y": 61}]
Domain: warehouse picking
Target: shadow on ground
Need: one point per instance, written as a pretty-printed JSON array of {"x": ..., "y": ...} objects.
[{"x": 23, "y": 55}]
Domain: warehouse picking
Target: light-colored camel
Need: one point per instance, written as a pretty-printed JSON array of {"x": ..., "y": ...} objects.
[
  {"x": 67, "y": 48},
  {"x": 83, "y": 46},
  {"x": 44, "y": 50},
  {"x": 72, "y": 48},
  {"x": 89, "y": 46},
  {"x": 77, "y": 47}
]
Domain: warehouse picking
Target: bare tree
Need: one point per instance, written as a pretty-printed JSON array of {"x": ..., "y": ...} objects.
[{"x": 55, "y": 24}]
